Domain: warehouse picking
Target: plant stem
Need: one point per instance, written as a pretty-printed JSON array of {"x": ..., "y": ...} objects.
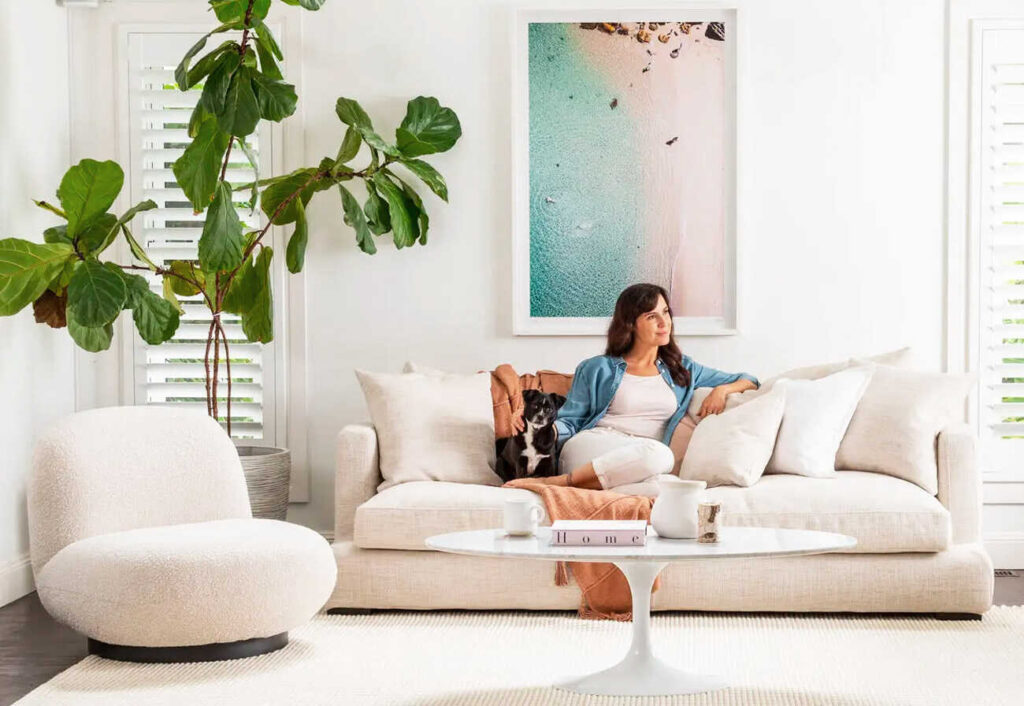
[
  {"x": 241, "y": 57},
  {"x": 206, "y": 365},
  {"x": 227, "y": 360}
]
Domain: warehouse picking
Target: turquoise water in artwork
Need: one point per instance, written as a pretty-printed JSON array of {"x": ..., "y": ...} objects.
[{"x": 586, "y": 184}]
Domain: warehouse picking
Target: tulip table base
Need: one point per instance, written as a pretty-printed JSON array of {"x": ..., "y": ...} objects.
[{"x": 641, "y": 673}]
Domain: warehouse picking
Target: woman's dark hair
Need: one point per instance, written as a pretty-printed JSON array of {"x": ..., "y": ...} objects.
[{"x": 636, "y": 300}]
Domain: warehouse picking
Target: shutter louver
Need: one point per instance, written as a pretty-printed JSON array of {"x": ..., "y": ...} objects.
[
  {"x": 174, "y": 373},
  {"x": 1001, "y": 219}
]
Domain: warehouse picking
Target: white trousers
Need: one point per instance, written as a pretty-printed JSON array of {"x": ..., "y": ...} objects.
[{"x": 625, "y": 463}]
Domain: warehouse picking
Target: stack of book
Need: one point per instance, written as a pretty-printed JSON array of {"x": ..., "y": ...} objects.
[{"x": 599, "y": 533}]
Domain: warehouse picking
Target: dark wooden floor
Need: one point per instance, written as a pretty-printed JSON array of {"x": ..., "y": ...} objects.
[{"x": 35, "y": 648}]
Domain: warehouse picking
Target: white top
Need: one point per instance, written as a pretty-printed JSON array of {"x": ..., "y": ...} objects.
[
  {"x": 642, "y": 406},
  {"x": 733, "y": 542}
]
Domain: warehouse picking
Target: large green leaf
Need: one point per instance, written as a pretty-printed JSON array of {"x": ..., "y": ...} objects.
[
  {"x": 275, "y": 193},
  {"x": 377, "y": 217},
  {"x": 430, "y": 176},
  {"x": 155, "y": 318},
  {"x": 351, "y": 113},
  {"x": 108, "y": 238},
  {"x": 93, "y": 237},
  {"x": 96, "y": 294},
  {"x": 241, "y": 109},
  {"x": 428, "y": 127},
  {"x": 276, "y": 99},
  {"x": 295, "y": 255},
  {"x": 349, "y": 146},
  {"x": 136, "y": 249},
  {"x": 181, "y": 72},
  {"x": 258, "y": 321},
  {"x": 403, "y": 223},
  {"x": 184, "y": 269},
  {"x": 308, "y": 4},
  {"x": 87, "y": 190},
  {"x": 135, "y": 285},
  {"x": 354, "y": 217},
  {"x": 250, "y": 297},
  {"x": 416, "y": 210},
  {"x": 255, "y": 164},
  {"x": 204, "y": 66},
  {"x": 214, "y": 97},
  {"x": 26, "y": 270},
  {"x": 221, "y": 244},
  {"x": 93, "y": 339},
  {"x": 227, "y": 10},
  {"x": 268, "y": 51},
  {"x": 57, "y": 234},
  {"x": 197, "y": 169}
]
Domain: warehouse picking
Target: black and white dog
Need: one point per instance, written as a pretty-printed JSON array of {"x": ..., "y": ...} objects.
[{"x": 531, "y": 453}]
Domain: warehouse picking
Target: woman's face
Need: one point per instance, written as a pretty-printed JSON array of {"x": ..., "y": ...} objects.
[{"x": 654, "y": 327}]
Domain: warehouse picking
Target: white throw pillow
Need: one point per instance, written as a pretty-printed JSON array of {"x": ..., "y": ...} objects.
[
  {"x": 815, "y": 420},
  {"x": 894, "y": 428},
  {"x": 733, "y": 447},
  {"x": 435, "y": 426},
  {"x": 900, "y": 358}
]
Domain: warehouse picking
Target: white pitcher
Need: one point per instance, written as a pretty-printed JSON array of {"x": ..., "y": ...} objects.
[{"x": 674, "y": 515}]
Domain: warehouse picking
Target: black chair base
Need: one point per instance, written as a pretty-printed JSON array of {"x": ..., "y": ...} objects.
[{"x": 199, "y": 653}]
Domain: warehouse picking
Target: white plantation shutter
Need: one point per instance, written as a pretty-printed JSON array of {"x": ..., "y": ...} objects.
[
  {"x": 173, "y": 373},
  {"x": 999, "y": 203}
]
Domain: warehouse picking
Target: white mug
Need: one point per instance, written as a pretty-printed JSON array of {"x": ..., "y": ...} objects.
[{"x": 522, "y": 517}]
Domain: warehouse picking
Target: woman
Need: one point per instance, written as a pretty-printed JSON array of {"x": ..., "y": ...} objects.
[{"x": 623, "y": 407}]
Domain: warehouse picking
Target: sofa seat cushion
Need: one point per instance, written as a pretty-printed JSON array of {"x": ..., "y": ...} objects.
[
  {"x": 403, "y": 516},
  {"x": 885, "y": 514}
]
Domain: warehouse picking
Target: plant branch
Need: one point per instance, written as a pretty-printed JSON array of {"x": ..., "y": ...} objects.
[
  {"x": 206, "y": 364},
  {"x": 241, "y": 58},
  {"x": 227, "y": 361}
]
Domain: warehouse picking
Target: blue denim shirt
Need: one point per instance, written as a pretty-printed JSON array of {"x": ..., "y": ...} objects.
[{"x": 596, "y": 380}]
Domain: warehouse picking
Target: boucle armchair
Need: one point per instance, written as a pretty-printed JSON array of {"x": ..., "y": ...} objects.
[{"x": 142, "y": 539}]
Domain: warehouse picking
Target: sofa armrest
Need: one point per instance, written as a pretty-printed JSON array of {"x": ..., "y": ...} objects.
[
  {"x": 960, "y": 481},
  {"x": 356, "y": 476}
]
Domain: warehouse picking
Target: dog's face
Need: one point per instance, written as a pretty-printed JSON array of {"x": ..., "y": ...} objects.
[{"x": 539, "y": 409}]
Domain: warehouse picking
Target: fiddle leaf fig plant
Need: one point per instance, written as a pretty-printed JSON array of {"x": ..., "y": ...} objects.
[{"x": 70, "y": 280}]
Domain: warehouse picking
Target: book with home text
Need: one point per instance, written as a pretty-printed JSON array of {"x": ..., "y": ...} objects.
[{"x": 599, "y": 533}]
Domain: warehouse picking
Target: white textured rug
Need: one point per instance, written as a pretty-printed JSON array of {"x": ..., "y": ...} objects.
[{"x": 509, "y": 659}]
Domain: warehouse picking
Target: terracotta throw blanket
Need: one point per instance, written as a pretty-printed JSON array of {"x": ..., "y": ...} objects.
[{"x": 605, "y": 592}]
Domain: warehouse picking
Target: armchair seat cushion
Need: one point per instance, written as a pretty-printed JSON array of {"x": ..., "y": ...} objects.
[
  {"x": 189, "y": 584},
  {"x": 885, "y": 514}
]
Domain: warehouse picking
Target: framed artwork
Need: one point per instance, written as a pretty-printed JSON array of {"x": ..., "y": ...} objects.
[{"x": 624, "y": 154}]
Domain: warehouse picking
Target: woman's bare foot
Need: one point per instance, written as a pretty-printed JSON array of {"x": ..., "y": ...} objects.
[{"x": 582, "y": 477}]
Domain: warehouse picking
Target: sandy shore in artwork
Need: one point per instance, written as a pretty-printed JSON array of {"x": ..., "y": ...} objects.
[{"x": 674, "y": 93}]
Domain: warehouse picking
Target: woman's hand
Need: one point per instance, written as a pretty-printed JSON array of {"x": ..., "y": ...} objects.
[{"x": 715, "y": 402}]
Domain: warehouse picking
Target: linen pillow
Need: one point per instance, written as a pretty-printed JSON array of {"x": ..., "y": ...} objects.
[
  {"x": 894, "y": 428},
  {"x": 815, "y": 419},
  {"x": 901, "y": 358},
  {"x": 436, "y": 426},
  {"x": 734, "y": 446}
]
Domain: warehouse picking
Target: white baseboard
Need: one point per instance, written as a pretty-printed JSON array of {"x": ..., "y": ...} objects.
[
  {"x": 1006, "y": 549},
  {"x": 16, "y": 579}
]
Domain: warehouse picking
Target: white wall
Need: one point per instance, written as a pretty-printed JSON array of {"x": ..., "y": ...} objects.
[
  {"x": 36, "y": 362},
  {"x": 840, "y": 197}
]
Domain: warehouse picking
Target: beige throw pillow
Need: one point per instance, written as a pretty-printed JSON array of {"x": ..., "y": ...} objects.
[
  {"x": 897, "y": 420},
  {"x": 434, "y": 426},
  {"x": 733, "y": 447},
  {"x": 684, "y": 431}
]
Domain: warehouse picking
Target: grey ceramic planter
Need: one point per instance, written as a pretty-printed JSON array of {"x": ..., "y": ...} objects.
[{"x": 267, "y": 476}]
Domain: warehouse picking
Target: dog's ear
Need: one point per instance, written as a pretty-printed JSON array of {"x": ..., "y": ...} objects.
[
  {"x": 530, "y": 397},
  {"x": 558, "y": 400}
]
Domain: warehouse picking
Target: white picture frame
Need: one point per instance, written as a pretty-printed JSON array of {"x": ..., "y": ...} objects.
[{"x": 526, "y": 324}]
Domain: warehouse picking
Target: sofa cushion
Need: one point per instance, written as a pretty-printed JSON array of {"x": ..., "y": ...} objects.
[{"x": 885, "y": 514}]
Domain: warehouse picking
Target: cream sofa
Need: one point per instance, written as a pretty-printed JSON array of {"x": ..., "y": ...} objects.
[{"x": 915, "y": 552}]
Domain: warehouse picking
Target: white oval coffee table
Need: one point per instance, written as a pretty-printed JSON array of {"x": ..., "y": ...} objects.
[{"x": 641, "y": 673}]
